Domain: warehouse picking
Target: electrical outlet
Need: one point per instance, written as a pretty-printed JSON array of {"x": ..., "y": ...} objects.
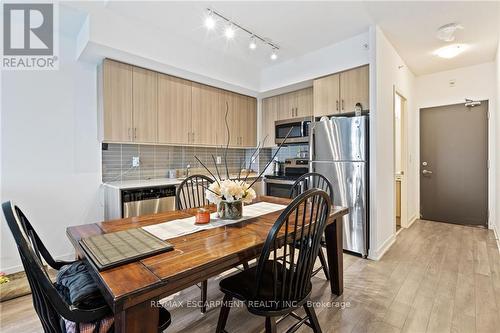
[
  {"x": 218, "y": 160},
  {"x": 135, "y": 161}
]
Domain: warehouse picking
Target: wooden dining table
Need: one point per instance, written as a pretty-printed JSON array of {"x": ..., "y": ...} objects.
[{"x": 132, "y": 290}]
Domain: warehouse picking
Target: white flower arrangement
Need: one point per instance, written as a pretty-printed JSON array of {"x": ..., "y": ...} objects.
[{"x": 230, "y": 191}]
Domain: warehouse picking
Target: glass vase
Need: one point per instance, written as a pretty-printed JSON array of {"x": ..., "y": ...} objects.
[{"x": 230, "y": 210}]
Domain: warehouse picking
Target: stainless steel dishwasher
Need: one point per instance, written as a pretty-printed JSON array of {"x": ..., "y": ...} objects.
[{"x": 151, "y": 200}]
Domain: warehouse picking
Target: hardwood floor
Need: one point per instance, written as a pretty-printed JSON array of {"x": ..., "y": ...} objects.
[{"x": 437, "y": 277}]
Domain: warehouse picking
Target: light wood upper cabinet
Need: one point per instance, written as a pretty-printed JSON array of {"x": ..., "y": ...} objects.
[
  {"x": 174, "y": 110},
  {"x": 339, "y": 93},
  {"x": 117, "y": 101},
  {"x": 326, "y": 91},
  {"x": 296, "y": 104},
  {"x": 241, "y": 118},
  {"x": 304, "y": 106},
  {"x": 270, "y": 108},
  {"x": 205, "y": 101},
  {"x": 286, "y": 106},
  {"x": 145, "y": 105},
  {"x": 249, "y": 125},
  {"x": 354, "y": 88},
  {"x": 227, "y": 102}
]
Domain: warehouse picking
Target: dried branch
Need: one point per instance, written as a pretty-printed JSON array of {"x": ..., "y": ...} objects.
[
  {"x": 228, "y": 138},
  {"x": 252, "y": 158},
  {"x": 206, "y": 188},
  {"x": 272, "y": 158},
  {"x": 216, "y": 168},
  {"x": 210, "y": 172}
]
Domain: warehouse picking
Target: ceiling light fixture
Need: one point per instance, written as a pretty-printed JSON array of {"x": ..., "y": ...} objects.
[
  {"x": 210, "y": 21},
  {"x": 446, "y": 33},
  {"x": 274, "y": 55},
  {"x": 450, "y": 51},
  {"x": 253, "y": 43},
  {"x": 232, "y": 27},
  {"x": 229, "y": 32}
]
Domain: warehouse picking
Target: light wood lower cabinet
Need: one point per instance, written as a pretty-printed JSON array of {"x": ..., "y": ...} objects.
[
  {"x": 116, "y": 101},
  {"x": 145, "y": 105},
  {"x": 174, "y": 110}
]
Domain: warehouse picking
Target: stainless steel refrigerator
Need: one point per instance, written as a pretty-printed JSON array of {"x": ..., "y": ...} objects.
[{"x": 339, "y": 151}]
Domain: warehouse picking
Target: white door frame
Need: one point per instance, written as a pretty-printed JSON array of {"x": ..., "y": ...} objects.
[{"x": 404, "y": 155}]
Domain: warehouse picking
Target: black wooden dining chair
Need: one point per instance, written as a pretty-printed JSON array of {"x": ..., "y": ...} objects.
[
  {"x": 303, "y": 183},
  {"x": 277, "y": 286},
  {"x": 191, "y": 194},
  {"x": 49, "y": 304}
]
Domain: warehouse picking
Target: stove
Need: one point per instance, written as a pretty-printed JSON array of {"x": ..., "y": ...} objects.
[{"x": 281, "y": 185}]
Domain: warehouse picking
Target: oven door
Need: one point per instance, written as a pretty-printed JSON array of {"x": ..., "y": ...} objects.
[
  {"x": 298, "y": 128},
  {"x": 278, "y": 188}
]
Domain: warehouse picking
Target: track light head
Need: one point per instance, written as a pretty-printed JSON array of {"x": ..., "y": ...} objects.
[
  {"x": 253, "y": 43},
  {"x": 274, "y": 54},
  {"x": 230, "y": 31},
  {"x": 210, "y": 20}
]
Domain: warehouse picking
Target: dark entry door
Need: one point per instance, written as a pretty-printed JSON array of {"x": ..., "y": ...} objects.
[{"x": 454, "y": 164}]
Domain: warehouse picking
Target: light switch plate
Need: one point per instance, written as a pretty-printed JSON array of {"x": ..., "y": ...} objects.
[
  {"x": 135, "y": 161},
  {"x": 218, "y": 160}
]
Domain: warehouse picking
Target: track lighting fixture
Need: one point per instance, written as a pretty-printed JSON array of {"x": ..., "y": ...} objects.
[{"x": 231, "y": 28}]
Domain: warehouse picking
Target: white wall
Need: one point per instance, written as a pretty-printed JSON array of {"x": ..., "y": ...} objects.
[
  {"x": 497, "y": 206},
  {"x": 346, "y": 54},
  {"x": 50, "y": 156},
  {"x": 108, "y": 34},
  {"x": 387, "y": 72},
  {"x": 475, "y": 82}
]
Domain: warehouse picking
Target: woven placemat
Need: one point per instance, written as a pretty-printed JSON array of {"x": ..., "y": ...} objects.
[{"x": 121, "y": 247}]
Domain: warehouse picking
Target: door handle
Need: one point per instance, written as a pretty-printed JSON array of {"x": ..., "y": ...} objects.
[{"x": 426, "y": 172}]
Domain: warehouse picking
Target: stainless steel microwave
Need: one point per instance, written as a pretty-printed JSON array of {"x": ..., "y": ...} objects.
[{"x": 298, "y": 128}]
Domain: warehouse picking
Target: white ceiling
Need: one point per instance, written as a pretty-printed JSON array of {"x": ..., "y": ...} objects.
[{"x": 302, "y": 27}]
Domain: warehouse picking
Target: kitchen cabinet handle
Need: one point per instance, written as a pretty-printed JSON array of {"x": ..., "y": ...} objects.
[
  {"x": 129, "y": 137},
  {"x": 337, "y": 105},
  {"x": 193, "y": 136},
  {"x": 135, "y": 133},
  {"x": 342, "y": 105}
]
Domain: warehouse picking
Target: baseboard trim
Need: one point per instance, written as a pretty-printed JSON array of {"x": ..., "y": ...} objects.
[
  {"x": 20, "y": 268},
  {"x": 497, "y": 238},
  {"x": 378, "y": 254},
  {"x": 412, "y": 220}
]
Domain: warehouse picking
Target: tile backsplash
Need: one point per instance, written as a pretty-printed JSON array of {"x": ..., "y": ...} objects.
[{"x": 156, "y": 160}]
